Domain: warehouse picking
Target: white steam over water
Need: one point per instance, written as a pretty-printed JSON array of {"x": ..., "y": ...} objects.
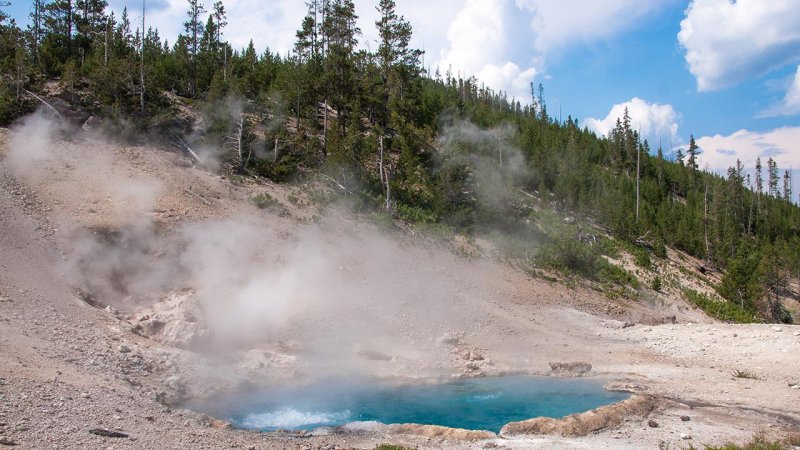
[{"x": 289, "y": 418}]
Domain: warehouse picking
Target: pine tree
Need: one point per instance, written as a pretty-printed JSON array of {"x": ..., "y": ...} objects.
[
  {"x": 759, "y": 177},
  {"x": 787, "y": 186},
  {"x": 692, "y": 153},
  {"x": 57, "y": 25},
  {"x": 221, "y": 19},
  {"x": 306, "y": 35},
  {"x": 90, "y": 21},
  {"x": 340, "y": 71},
  {"x": 772, "y": 181},
  {"x": 398, "y": 62},
  {"x": 194, "y": 31},
  {"x": 35, "y": 28}
]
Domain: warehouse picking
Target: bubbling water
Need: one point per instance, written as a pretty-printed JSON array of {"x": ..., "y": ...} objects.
[{"x": 475, "y": 404}]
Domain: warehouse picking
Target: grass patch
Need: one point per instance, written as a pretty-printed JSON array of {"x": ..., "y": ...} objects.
[
  {"x": 656, "y": 284},
  {"x": 392, "y": 447},
  {"x": 264, "y": 200},
  {"x": 721, "y": 310},
  {"x": 758, "y": 443},
  {"x": 739, "y": 373}
]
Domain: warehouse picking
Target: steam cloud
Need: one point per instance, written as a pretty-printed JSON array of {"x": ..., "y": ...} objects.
[
  {"x": 334, "y": 292},
  {"x": 492, "y": 160}
]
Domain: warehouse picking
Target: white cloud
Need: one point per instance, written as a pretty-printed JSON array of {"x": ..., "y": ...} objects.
[
  {"x": 727, "y": 42},
  {"x": 781, "y": 144},
  {"x": 478, "y": 45},
  {"x": 476, "y": 36},
  {"x": 790, "y": 105},
  {"x": 506, "y": 42},
  {"x": 557, "y": 23},
  {"x": 656, "y": 121},
  {"x": 515, "y": 82}
]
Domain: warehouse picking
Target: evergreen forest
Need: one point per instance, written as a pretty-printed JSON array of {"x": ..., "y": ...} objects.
[{"x": 439, "y": 151}]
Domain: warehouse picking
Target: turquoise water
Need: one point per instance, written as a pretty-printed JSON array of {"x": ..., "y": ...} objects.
[{"x": 476, "y": 404}]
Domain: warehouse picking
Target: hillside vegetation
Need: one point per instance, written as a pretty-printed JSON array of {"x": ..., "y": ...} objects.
[{"x": 437, "y": 150}]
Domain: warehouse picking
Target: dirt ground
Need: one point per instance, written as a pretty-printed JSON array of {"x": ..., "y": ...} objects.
[{"x": 420, "y": 309}]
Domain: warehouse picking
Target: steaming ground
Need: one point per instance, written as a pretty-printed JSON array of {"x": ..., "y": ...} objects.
[{"x": 206, "y": 292}]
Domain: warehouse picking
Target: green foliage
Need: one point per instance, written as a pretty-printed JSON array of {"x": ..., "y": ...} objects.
[
  {"x": 642, "y": 258},
  {"x": 757, "y": 443},
  {"x": 415, "y": 214},
  {"x": 264, "y": 200},
  {"x": 723, "y": 310},
  {"x": 656, "y": 284},
  {"x": 739, "y": 373}
]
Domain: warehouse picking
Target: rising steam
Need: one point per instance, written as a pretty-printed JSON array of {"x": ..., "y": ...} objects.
[{"x": 338, "y": 294}]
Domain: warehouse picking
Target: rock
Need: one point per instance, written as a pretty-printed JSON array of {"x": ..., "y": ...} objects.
[
  {"x": 6, "y": 441},
  {"x": 124, "y": 349},
  {"x": 576, "y": 368},
  {"x": 627, "y": 325},
  {"x": 451, "y": 339},
  {"x": 777, "y": 329},
  {"x": 685, "y": 418},
  {"x": 652, "y": 423},
  {"x": 107, "y": 433},
  {"x": 685, "y": 436},
  {"x": 373, "y": 355},
  {"x": 583, "y": 424},
  {"x": 175, "y": 321},
  {"x": 93, "y": 123}
]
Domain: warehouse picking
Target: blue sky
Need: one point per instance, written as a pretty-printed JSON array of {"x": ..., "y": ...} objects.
[{"x": 726, "y": 72}]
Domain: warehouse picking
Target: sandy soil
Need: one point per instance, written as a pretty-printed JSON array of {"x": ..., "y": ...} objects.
[{"x": 67, "y": 367}]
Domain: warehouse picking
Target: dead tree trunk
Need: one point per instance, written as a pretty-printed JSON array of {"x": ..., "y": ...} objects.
[
  {"x": 705, "y": 222},
  {"x": 325, "y": 130},
  {"x": 638, "y": 180},
  {"x": 386, "y": 178},
  {"x": 44, "y": 103},
  {"x": 239, "y": 141},
  {"x": 380, "y": 168},
  {"x": 185, "y": 146}
]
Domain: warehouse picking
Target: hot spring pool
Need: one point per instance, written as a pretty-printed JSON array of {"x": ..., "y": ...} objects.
[{"x": 475, "y": 404}]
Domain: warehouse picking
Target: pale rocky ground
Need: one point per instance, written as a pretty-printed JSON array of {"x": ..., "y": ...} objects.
[{"x": 418, "y": 311}]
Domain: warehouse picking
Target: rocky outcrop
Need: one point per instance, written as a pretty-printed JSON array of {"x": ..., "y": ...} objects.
[
  {"x": 609, "y": 416},
  {"x": 435, "y": 431},
  {"x": 175, "y": 321},
  {"x": 575, "y": 369}
]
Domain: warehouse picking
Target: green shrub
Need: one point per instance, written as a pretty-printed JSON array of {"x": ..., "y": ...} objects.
[
  {"x": 414, "y": 214},
  {"x": 656, "y": 284},
  {"x": 642, "y": 258},
  {"x": 758, "y": 443},
  {"x": 739, "y": 373},
  {"x": 264, "y": 200},
  {"x": 723, "y": 310}
]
